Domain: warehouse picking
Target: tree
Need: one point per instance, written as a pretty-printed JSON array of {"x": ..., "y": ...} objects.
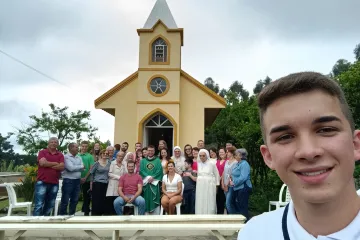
[
  {"x": 240, "y": 92},
  {"x": 210, "y": 83},
  {"x": 340, "y": 66},
  {"x": 350, "y": 83},
  {"x": 357, "y": 52},
  {"x": 6, "y": 148},
  {"x": 223, "y": 92},
  {"x": 59, "y": 123},
  {"x": 261, "y": 84}
]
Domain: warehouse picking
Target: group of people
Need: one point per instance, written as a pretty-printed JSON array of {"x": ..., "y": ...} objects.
[{"x": 202, "y": 181}]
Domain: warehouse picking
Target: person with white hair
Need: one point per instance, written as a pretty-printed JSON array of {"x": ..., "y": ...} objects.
[
  {"x": 111, "y": 150},
  {"x": 240, "y": 181},
  {"x": 51, "y": 164},
  {"x": 179, "y": 160},
  {"x": 130, "y": 157},
  {"x": 207, "y": 180}
]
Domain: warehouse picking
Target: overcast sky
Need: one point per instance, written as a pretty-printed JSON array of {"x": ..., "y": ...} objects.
[{"x": 90, "y": 46}]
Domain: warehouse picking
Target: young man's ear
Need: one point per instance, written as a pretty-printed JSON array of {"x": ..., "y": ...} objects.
[
  {"x": 267, "y": 156},
  {"x": 356, "y": 142}
]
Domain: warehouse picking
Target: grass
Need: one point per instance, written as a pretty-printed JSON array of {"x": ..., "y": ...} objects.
[{"x": 22, "y": 211}]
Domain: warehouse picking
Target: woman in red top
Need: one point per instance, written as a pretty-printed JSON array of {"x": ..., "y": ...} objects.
[{"x": 220, "y": 196}]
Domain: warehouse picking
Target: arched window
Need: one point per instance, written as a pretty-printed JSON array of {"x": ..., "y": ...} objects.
[{"x": 159, "y": 50}]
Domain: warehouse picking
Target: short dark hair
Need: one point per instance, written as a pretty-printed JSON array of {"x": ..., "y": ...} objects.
[
  {"x": 189, "y": 161},
  {"x": 138, "y": 143},
  {"x": 71, "y": 145},
  {"x": 131, "y": 162},
  {"x": 126, "y": 143},
  {"x": 297, "y": 83},
  {"x": 117, "y": 146},
  {"x": 196, "y": 149},
  {"x": 144, "y": 148},
  {"x": 84, "y": 142},
  {"x": 150, "y": 146}
]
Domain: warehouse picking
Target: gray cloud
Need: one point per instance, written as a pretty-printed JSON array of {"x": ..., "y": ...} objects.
[
  {"x": 65, "y": 39},
  {"x": 92, "y": 45},
  {"x": 307, "y": 20}
]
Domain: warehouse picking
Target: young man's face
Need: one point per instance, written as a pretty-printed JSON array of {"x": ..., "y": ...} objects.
[
  {"x": 137, "y": 146},
  {"x": 124, "y": 147},
  {"x": 311, "y": 146},
  {"x": 84, "y": 148}
]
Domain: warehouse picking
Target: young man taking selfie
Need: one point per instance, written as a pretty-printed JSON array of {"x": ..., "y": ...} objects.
[{"x": 311, "y": 142}]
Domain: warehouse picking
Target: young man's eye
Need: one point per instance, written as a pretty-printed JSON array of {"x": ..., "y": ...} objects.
[
  {"x": 327, "y": 130},
  {"x": 284, "y": 137}
]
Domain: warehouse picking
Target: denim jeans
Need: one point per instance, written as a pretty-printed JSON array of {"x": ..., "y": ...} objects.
[
  {"x": 44, "y": 197},
  {"x": 70, "y": 191},
  {"x": 188, "y": 206},
  {"x": 229, "y": 201},
  {"x": 241, "y": 202},
  {"x": 139, "y": 202}
]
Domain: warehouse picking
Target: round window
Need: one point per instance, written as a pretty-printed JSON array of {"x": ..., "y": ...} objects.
[{"x": 158, "y": 86}]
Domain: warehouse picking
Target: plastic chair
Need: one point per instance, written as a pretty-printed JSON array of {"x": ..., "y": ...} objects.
[
  {"x": 58, "y": 198},
  {"x": 281, "y": 203},
  {"x": 178, "y": 205},
  {"x": 136, "y": 209},
  {"x": 13, "y": 200}
]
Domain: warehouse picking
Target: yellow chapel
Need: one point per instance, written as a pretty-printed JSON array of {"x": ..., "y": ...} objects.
[{"x": 160, "y": 101}]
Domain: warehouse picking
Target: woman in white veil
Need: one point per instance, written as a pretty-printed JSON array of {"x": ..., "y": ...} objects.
[
  {"x": 208, "y": 179},
  {"x": 130, "y": 157},
  {"x": 179, "y": 160}
]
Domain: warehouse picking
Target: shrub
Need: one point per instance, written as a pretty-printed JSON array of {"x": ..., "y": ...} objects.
[
  {"x": 27, "y": 187},
  {"x": 263, "y": 192}
]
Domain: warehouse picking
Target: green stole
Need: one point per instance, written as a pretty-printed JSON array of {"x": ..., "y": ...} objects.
[{"x": 151, "y": 193}]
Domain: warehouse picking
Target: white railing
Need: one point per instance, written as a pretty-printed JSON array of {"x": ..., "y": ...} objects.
[{"x": 133, "y": 226}]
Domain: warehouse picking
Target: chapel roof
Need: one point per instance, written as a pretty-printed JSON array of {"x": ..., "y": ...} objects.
[{"x": 160, "y": 11}]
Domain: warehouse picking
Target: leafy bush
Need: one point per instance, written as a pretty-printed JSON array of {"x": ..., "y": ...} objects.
[
  {"x": 8, "y": 166},
  {"x": 263, "y": 192},
  {"x": 357, "y": 176},
  {"x": 27, "y": 187}
]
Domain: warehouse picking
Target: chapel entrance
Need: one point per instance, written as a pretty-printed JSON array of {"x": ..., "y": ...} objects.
[{"x": 158, "y": 127}]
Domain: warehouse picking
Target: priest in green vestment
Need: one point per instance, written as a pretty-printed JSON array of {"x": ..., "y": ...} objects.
[{"x": 152, "y": 172}]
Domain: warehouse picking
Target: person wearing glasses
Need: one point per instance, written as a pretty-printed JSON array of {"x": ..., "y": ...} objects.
[{"x": 99, "y": 182}]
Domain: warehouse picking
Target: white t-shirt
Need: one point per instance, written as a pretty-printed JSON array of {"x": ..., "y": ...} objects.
[
  {"x": 171, "y": 186},
  {"x": 268, "y": 226}
]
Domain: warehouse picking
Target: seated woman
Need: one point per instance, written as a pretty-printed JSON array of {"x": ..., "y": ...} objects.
[{"x": 171, "y": 188}]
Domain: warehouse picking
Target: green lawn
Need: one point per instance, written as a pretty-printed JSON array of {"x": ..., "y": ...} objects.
[{"x": 5, "y": 204}]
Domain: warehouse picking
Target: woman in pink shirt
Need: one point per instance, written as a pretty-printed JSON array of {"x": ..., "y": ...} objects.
[{"x": 220, "y": 196}]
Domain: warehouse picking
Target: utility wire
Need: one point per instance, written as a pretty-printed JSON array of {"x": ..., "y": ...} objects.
[{"x": 32, "y": 68}]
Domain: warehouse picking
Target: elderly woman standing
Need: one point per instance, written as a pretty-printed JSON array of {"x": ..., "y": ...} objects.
[
  {"x": 116, "y": 170},
  {"x": 240, "y": 180},
  {"x": 207, "y": 180},
  {"x": 179, "y": 160}
]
